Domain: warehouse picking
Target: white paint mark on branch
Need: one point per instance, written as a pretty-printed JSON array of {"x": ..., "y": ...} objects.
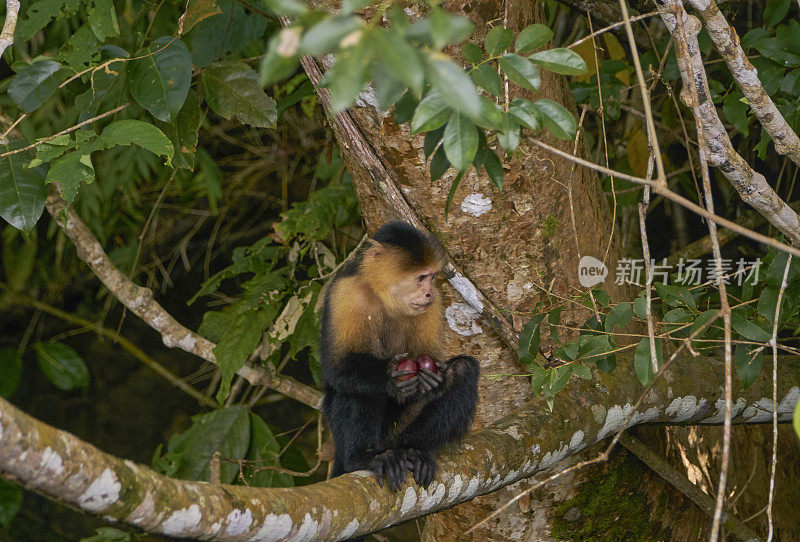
[
  {"x": 576, "y": 440},
  {"x": 307, "y": 531},
  {"x": 238, "y": 521},
  {"x": 409, "y": 500},
  {"x": 615, "y": 420},
  {"x": 181, "y": 520},
  {"x": 455, "y": 489},
  {"x": 274, "y": 528},
  {"x": 101, "y": 493},
  {"x": 351, "y": 528},
  {"x": 51, "y": 461}
]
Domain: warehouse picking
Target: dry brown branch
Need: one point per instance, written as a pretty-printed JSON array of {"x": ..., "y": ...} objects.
[
  {"x": 726, "y": 42},
  {"x": 139, "y": 301}
]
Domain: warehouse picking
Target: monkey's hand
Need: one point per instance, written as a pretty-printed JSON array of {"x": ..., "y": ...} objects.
[
  {"x": 402, "y": 384},
  {"x": 392, "y": 465},
  {"x": 422, "y": 465},
  {"x": 430, "y": 378}
]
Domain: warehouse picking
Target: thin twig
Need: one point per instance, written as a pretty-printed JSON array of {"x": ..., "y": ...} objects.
[
  {"x": 126, "y": 344},
  {"x": 774, "y": 344},
  {"x": 67, "y": 130}
]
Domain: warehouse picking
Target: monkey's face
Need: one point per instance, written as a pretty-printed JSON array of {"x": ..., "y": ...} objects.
[{"x": 416, "y": 291}]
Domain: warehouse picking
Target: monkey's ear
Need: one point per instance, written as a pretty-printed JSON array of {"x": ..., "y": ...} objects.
[{"x": 376, "y": 248}]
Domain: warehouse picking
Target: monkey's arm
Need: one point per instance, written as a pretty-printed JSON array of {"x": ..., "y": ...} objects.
[{"x": 365, "y": 374}]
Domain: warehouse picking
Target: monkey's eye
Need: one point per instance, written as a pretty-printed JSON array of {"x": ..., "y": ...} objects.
[{"x": 421, "y": 278}]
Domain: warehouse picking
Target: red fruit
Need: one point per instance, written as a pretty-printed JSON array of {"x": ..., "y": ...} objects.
[
  {"x": 407, "y": 364},
  {"x": 427, "y": 363}
]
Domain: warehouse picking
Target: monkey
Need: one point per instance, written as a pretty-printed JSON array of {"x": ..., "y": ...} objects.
[{"x": 378, "y": 309}]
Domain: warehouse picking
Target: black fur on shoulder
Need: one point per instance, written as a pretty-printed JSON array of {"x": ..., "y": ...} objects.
[{"x": 423, "y": 249}]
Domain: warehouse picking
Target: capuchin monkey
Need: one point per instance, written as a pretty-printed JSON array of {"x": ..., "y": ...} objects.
[{"x": 378, "y": 311}]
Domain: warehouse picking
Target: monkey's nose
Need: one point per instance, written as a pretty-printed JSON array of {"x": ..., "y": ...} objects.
[{"x": 428, "y": 295}]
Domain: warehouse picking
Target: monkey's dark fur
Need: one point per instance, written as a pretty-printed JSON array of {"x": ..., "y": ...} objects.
[{"x": 377, "y": 424}]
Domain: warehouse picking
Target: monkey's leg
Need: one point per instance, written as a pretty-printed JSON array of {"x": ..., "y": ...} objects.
[
  {"x": 443, "y": 420},
  {"x": 356, "y": 423}
]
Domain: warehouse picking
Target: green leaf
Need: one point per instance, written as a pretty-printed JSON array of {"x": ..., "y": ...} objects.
[
  {"x": 349, "y": 75},
  {"x": 160, "y": 81},
  {"x": 439, "y": 164},
  {"x": 486, "y": 78},
  {"x": 70, "y": 171},
  {"x": 582, "y": 371},
  {"x": 460, "y": 141},
  {"x": 137, "y": 132},
  {"x": 520, "y": 70},
  {"x": 290, "y": 8},
  {"x": 703, "y": 319},
  {"x": 471, "y": 53},
  {"x": 532, "y": 37},
  {"x": 395, "y": 51},
  {"x": 325, "y": 36},
  {"x": 315, "y": 218},
  {"x": 775, "y": 11},
  {"x": 455, "y": 87},
  {"x": 736, "y": 112},
  {"x": 494, "y": 169},
  {"x": 557, "y": 119},
  {"x": 183, "y": 132},
  {"x": 491, "y": 116},
  {"x": 497, "y": 40},
  {"x": 431, "y": 113},
  {"x": 238, "y": 331},
  {"x": 796, "y": 419},
  {"x": 560, "y": 60},
  {"x": 553, "y": 319},
  {"x": 748, "y": 360},
  {"x": 620, "y": 315},
  {"x": 34, "y": 85},
  {"x": 279, "y": 62},
  {"x": 196, "y": 11},
  {"x": 10, "y": 502},
  {"x": 103, "y": 19},
  {"x": 388, "y": 88},
  {"x": 225, "y": 430},
  {"x": 529, "y": 339},
  {"x": 560, "y": 377},
  {"x": 264, "y": 451},
  {"x": 642, "y": 361},
  {"x": 62, "y": 365},
  {"x": 749, "y": 329},
  {"x": 108, "y": 534},
  {"x": 526, "y": 114},
  {"x": 232, "y": 90},
  {"x": 22, "y": 189},
  {"x": 452, "y": 192},
  {"x": 432, "y": 140},
  {"x": 10, "y": 373},
  {"x": 509, "y": 134},
  {"x": 444, "y": 28},
  {"x": 640, "y": 307},
  {"x": 37, "y": 15},
  {"x": 777, "y": 267},
  {"x": 538, "y": 375},
  {"x": 224, "y": 34}
]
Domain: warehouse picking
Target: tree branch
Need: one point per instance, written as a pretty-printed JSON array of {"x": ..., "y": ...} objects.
[
  {"x": 139, "y": 301},
  {"x": 63, "y": 467},
  {"x": 751, "y": 185},
  {"x": 10, "y": 24},
  {"x": 726, "y": 42}
]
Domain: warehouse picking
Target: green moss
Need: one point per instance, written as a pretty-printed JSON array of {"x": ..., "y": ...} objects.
[
  {"x": 612, "y": 507},
  {"x": 549, "y": 225}
]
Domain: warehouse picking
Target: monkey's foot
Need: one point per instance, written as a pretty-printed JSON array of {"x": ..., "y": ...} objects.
[
  {"x": 422, "y": 465},
  {"x": 391, "y": 465},
  {"x": 463, "y": 366}
]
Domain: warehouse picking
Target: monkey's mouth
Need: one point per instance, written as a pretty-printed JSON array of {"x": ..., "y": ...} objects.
[{"x": 423, "y": 306}]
